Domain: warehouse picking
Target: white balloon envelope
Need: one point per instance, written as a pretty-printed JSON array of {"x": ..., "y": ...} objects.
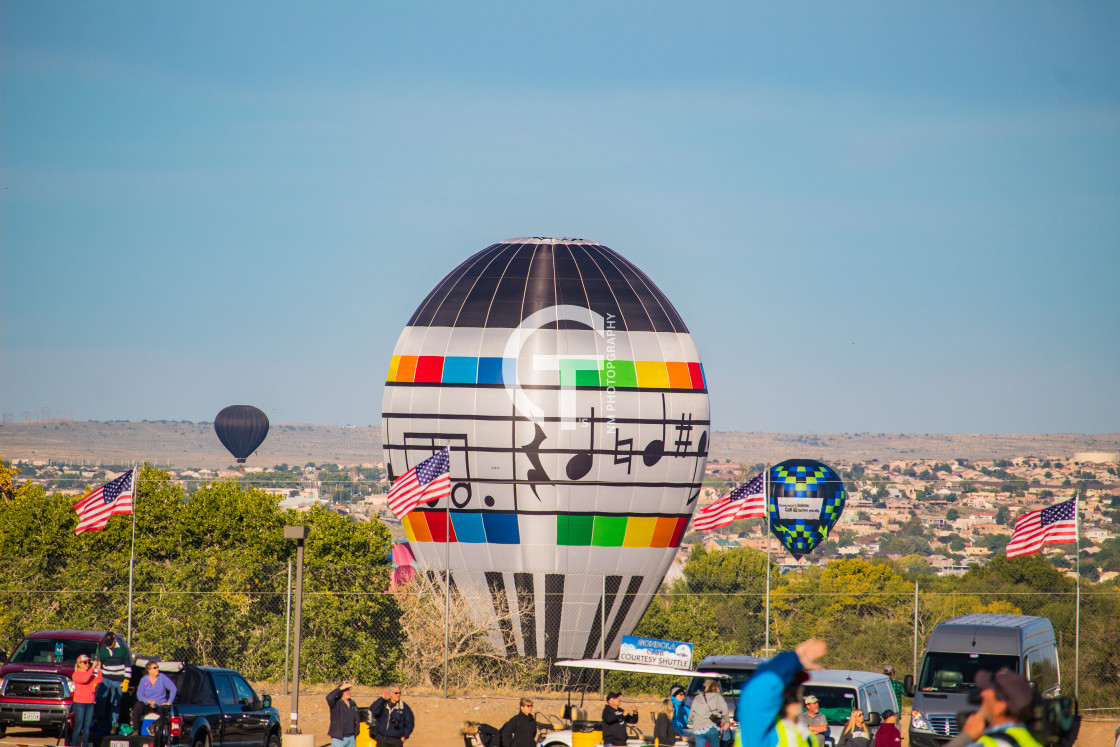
[{"x": 576, "y": 410}]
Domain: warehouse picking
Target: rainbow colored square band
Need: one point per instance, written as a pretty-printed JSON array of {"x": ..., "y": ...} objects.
[
  {"x": 596, "y": 530},
  {"x": 438, "y": 369}
]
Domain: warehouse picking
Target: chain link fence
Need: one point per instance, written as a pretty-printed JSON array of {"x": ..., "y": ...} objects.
[{"x": 225, "y": 613}]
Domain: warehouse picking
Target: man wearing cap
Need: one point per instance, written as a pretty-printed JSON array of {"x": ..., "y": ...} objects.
[
  {"x": 1006, "y": 704},
  {"x": 813, "y": 719},
  {"x": 116, "y": 666},
  {"x": 343, "y": 729},
  {"x": 889, "y": 671},
  {"x": 888, "y": 734},
  {"x": 680, "y": 710},
  {"x": 615, "y": 720}
]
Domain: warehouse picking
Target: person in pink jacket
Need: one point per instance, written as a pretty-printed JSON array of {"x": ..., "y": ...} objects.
[{"x": 87, "y": 676}]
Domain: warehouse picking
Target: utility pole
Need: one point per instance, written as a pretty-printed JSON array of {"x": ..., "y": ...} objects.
[{"x": 299, "y": 534}]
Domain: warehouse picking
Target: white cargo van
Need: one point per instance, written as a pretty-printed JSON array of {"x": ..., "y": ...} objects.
[{"x": 958, "y": 649}]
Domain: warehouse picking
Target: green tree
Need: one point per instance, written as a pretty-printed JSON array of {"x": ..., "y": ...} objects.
[
  {"x": 210, "y": 578},
  {"x": 732, "y": 583},
  {"x": 915, "y": 565}
]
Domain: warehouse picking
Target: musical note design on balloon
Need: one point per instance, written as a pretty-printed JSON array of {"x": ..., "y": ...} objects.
[
  {"x": 655, "y": 449},
  {"x": 580, "y": 464},
  {"x": 532, "y": 450},
  {"x": 684, "y": 434},
  {"x": 701, "y": 457},
  {"x": 684, "y": 427},
  {"x": 619, "y": 457}
]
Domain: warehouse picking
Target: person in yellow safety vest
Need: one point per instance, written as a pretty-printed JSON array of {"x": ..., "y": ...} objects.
[
  {"x": 1005, "y": 706},
  {"x": 791, "y": 732}
]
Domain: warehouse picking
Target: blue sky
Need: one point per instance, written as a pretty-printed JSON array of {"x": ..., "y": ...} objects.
[{"x": 872, "y": 216}]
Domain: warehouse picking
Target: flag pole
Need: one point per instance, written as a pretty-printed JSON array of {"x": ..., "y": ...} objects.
[
  {"x": 766, "y": 505},
  {"x": 131, "y": 560},
  {"x": 446, "y": 578},
  {"x": 1077, "y": 613}
]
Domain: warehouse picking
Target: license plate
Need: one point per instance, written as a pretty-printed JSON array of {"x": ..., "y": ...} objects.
[
  {"x": 118, "y": 743},
  {"x": 31, "y": 715}
]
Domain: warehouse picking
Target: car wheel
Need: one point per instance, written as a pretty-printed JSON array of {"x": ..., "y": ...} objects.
[
  {"x": 274, "y": 739},
  {"x": 3, "y": 731},
  {"x": 203, "y": 741}
]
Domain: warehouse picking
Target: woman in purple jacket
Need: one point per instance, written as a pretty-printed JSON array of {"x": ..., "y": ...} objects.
[{"x": 154, "y": 690}]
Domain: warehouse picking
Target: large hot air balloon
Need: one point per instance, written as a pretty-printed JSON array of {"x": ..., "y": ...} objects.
[
  {"x": 806, "y": 500},
  {"x": 241, "y": 429},
  {"x": 576, "y": 410}
]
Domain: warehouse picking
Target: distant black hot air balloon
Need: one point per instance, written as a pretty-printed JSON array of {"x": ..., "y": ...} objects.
[{"x": 241, "y": 429}]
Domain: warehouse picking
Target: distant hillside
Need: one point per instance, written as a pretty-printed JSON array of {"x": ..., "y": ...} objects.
[
  {"x": 751, "y": 448},
  {"x": 185, "y": 445}
]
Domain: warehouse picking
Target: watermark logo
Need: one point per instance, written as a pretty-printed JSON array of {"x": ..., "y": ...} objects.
[{"x": 519, "y": 337}]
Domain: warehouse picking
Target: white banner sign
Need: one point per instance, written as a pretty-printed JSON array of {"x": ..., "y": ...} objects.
[
  {"x": 638, "y": 650},
  {"x": 799, "y": 508}
]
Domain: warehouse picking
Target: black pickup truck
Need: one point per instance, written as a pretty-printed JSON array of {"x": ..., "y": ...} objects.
[{"x": 213, "y": 708}]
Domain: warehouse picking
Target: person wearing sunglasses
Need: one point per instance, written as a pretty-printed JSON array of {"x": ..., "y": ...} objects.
[
  {"x": 87, "y": 676},
  {"x": 856, "y": 733},
  {"x": 153, "y": 691},
  {"x": 391, "y": 718}
]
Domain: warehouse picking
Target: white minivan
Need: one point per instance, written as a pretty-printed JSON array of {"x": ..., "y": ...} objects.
[{"x": 839, "y": 691}]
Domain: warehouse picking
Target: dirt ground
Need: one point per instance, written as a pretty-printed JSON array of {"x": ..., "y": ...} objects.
[{"x": 438, "y": 720}]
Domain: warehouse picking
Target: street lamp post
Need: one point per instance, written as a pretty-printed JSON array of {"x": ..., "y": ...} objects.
[{"x": 299, "y": 534}]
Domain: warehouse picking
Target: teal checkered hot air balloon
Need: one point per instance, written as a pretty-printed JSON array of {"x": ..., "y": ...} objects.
[{"x": 806, "y": 498}]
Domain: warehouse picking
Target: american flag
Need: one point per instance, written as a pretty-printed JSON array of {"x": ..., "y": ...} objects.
[
  {"x": 110, "y": 499},
  {"x": 1047, "y": 526},
  {"x": 428, "y": 481},
  {"x": 748, "y": 501}
]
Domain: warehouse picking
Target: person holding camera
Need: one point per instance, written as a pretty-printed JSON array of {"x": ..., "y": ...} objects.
[
  {"x": 615, "y": 720},
  {"x": 708, "y": 715},
  {"x": 391, "y": 719},
  {"x": 1006, "y": 706},
  {"x": 87, "y": 676}
]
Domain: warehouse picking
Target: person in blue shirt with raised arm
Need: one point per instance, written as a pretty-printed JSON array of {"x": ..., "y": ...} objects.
[{"x": 760, "y": 705}]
